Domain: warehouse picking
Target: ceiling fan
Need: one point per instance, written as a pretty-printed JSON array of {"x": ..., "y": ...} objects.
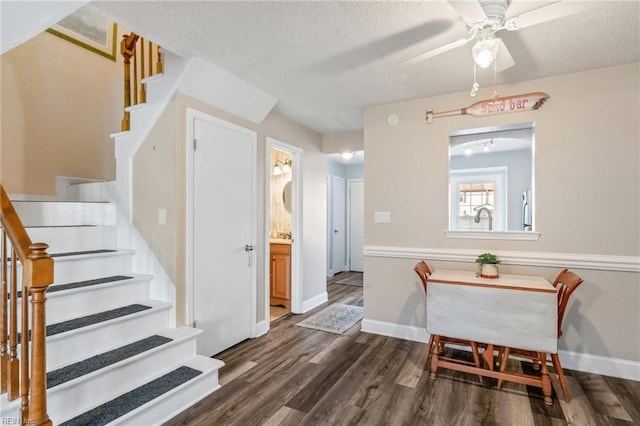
[{"x": 484, "y": 18}]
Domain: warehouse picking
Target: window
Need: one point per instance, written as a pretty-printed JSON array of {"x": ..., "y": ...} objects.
[{"x": 478, "y": 199}]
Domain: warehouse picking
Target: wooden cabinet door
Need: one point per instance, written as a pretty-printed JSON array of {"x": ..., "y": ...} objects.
[{"x": 281, "y": 275}]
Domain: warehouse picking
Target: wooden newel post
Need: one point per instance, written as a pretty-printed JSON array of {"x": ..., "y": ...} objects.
[{"x": 38, "y": 275}]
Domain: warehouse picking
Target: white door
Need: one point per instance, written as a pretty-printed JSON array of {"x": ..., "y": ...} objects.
[
  {"x": 338, "y": 239},
  {"x": 224, "y": 163},
  {"x": 356, "y": 225}
]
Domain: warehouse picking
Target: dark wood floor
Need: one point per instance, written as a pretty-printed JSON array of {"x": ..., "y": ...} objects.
[{"x": 299, "y": 376}]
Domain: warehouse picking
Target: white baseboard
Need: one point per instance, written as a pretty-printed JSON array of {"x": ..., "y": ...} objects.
[
  {"x": 596, "y": 364},
  {"x": 262, "y": 327},
  {"x": 318, "y": 300},
  {"x": 406, "y": 332}
]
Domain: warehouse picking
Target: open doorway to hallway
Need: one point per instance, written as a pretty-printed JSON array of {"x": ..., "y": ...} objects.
[{"x": 345, "y": 212}]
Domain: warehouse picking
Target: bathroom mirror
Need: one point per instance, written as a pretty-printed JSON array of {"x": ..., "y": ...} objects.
[
  {"x": 491, "y": 179},
  {"x": 286, "y": 196}
]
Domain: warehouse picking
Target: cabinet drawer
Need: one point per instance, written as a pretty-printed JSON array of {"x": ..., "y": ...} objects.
[{"x": 280, "y": 248}]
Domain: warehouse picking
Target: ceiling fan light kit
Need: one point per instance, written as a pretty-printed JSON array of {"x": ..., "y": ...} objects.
[
  {"x": 484, "y": 51},
  {"x": 484, "y": 18}
]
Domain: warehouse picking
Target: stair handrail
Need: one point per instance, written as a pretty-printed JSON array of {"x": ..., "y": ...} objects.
[
  {"x": 132, "y": 46},
  {"x": 25, "y": 377}
]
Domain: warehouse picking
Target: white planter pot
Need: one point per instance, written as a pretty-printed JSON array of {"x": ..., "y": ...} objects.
[{"x": 489, "y": 270}]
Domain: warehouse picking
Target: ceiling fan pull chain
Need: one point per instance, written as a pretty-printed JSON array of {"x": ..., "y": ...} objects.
[
  {"x": 476, "y": 86},
  {"x": 496, "y": 94}
]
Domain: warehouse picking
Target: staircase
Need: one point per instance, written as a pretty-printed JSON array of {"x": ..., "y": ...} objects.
[{"x": 112, "y": 355}]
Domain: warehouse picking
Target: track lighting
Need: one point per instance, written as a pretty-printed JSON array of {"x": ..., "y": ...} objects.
[{"x": 347, "y": 155}]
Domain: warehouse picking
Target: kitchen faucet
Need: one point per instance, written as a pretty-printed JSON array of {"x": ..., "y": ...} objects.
[{"x": 477, "y": 218}]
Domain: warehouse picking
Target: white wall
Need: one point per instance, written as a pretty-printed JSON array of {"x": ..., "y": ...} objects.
[{"x": 314, "y": 198}]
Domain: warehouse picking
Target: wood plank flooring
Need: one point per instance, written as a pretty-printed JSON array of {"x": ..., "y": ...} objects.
[{"x": 299, "y": 376}]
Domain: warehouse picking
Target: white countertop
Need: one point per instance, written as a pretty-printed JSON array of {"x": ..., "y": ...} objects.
[{"x": 279, "y": 241}]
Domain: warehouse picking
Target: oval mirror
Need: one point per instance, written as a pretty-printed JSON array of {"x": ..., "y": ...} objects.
[{"x": 286, "y": 196}]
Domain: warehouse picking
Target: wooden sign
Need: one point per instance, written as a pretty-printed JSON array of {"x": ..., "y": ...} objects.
[{"x": 497, "y": 105}]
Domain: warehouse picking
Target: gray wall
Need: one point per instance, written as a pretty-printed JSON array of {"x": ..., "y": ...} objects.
[{"x": 588, "y": 203}]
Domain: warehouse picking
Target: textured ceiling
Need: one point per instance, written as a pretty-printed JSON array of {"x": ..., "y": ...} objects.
[{"x": 326, "y": 61}]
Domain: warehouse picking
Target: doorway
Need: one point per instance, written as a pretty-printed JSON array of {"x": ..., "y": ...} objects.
[
  {"x": 345, "y": 212},
  {"x": 338, "y": 236},
  {"x": 283, "y": 213},
  {"x": 221, "y": 223}
]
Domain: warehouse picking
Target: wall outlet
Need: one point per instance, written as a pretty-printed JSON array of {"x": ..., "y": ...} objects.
[{"x": 162, "y": 216}]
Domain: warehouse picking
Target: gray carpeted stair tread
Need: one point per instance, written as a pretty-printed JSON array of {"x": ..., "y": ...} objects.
[
  {"x": 87, "y": 320},
  {"x": 87, "y": 283},
  {"x": 86, "y": 366},
  {"x": 61, "y": 226},
  {"x": 77, "y": 253},
  {"x": 129, "y": 401}
]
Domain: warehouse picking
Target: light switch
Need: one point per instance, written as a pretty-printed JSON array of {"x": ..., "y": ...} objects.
[
  {"x": 162, "y": 217},
  {"x": 382, "y": 217}
]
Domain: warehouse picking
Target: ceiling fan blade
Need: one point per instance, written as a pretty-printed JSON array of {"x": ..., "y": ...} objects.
[
  {"x": 437, "y": 51},
  {"x": 469, "y": 10},
  {"x": 503, "y": 57},
  {"x": 552, "y": 11}
]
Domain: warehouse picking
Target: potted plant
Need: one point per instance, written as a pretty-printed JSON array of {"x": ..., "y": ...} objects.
[{"x": 488, "y": 265}]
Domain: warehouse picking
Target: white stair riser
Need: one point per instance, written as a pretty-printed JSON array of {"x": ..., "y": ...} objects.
[
  {"x": 81, "y": 268},
  {"x": 77, "y": 238},
  {"x": 91, "y": 191},
  {"x": 87, "y": 267},
  {"x": 83, "y": 343},
  {"x": 69, "y": 401},
  {"x": 50, "y": 213},
  {"x": 88, "y": 300}
]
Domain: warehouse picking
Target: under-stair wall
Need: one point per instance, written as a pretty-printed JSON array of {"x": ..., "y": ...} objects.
[{"x": 160, "y": 89}]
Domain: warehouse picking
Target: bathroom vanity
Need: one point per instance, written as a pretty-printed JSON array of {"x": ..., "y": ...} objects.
[{"x": 280, "y": 273}]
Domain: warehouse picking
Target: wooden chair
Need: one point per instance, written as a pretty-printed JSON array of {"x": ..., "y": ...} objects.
[
  {"x": 566, "y": 282},
  {"x": 424, "y": 271}
]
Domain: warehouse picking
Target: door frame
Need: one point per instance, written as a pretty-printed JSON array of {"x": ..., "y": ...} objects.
[
  {"x": 296, "y": 224},
  {"x": 344, "y": 266},
  {"x": 192, "y": 115},
  {"x": 349, "y": 182}
]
